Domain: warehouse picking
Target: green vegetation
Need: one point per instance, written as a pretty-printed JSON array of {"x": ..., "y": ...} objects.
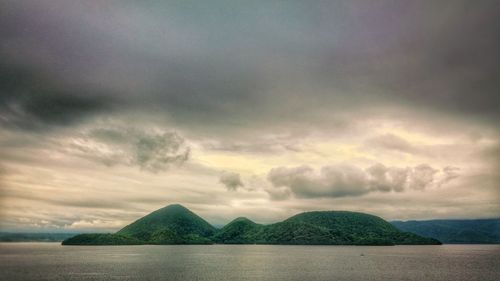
[
  {"x": 319, "y": 228},
  {"x": 480, "y": 231},
  {"x": 101, "y": 239},
  {"x": 175, "y": 224},
  {"x": 239, "y": 231}
]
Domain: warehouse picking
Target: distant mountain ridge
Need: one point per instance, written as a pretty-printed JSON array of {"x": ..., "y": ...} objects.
[
  {"x": 477, "y": 231},
  {"x": 176, "y": 224}
]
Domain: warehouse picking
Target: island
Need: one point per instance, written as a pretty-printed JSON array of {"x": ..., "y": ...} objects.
[{"x": 175, "y": 224}]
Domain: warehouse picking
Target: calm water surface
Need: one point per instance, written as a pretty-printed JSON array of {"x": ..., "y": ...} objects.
[{"x": 50, "y": 261}]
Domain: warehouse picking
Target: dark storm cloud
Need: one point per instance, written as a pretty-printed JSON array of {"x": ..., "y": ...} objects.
[
  {"x": 349, "y": 180},
  {"x": 231, "y": 64},
  {"x": 436, "y": 55},
  {"x": 31, "y": 102},
  {"x": 62, "y": 65}
]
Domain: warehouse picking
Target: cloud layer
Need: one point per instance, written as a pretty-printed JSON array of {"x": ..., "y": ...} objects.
[
  {"x": 259, "y": 63},
  {"x": 349, "y": 180},
  {"x": 150, "y": 150},
  {"x": 355, "y": 105},
  {"x": 231, "y": 180}
]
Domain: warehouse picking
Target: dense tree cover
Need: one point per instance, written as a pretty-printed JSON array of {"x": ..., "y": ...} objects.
[
  {"x": 483, "y": 231},
  {"x": 101, "y": 239},
  {"x": 324, "y": 228},
  {"x": 175, "y": 224},
  {"x": 170, "y": 223},
  {"x": 239, "y": 231}
]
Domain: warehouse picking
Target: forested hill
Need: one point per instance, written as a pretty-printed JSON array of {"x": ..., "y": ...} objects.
[{"x": 176, "y": 224}]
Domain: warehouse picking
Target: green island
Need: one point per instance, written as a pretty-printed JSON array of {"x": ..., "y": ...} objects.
[{"x": 176, "y": 224}]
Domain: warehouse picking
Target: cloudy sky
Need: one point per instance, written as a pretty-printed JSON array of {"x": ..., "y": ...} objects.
[{"x": 112, "y": 109}]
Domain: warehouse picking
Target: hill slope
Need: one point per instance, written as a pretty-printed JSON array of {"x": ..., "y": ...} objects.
[
  {"x": 175, "y": 224},
  {"x": 325, "y": 228},
  {"x": 481, "y": 231},
  {"x": 101, "y": 239},
  {"x": 238, "y": 231}
]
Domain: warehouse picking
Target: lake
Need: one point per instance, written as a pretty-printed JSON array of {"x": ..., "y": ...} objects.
[{"x": 51, "y": 261}]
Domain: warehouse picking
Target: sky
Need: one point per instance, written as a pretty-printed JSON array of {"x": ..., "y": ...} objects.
[{"x": 112, "y": 109}]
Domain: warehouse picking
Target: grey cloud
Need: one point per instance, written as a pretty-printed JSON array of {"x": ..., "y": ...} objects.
[
  {"x": 422, "y": 61},
  {"x": 392, "y": 142},
  {"x": 492, "y": 155},
  {"x": 150, "y": 150},
  {"x": 87, "y": 203},
  {"x": 58, "y": 50},
  {"x": 157, "y": 152},
  {"x": 349, "y": 180},
  {"x": 231, "y": 180},
  {"x": 254, "y": 144},
  {"x": 102, "y": 221},
  {"x": 332, "y": 181},
  {"x": 278, "y": 193},
  {"x": 422, "y": 176},
  {"x": 255, "y": 147},
  {"x": 382, "y": 178},
  {"x": 260, "y": 64},
  {"x": 450, "y": 173},
  {"x": 455, "y": 149},
  {"x": 232, "y": 71},
  {"x": 33, "y": 103}
]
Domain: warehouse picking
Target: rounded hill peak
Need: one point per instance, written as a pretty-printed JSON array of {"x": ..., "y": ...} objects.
[
  {"x": 173, "y": 219},
  {"x": 175, "y": 206},
  {"x": 241, "y": 219}
]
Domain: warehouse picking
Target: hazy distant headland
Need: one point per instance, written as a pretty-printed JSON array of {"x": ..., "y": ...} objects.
[
  {"x": 176, "y": 224},
  {"x": 478, "y": 231},
  {"x": 34, "y": 236}
]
